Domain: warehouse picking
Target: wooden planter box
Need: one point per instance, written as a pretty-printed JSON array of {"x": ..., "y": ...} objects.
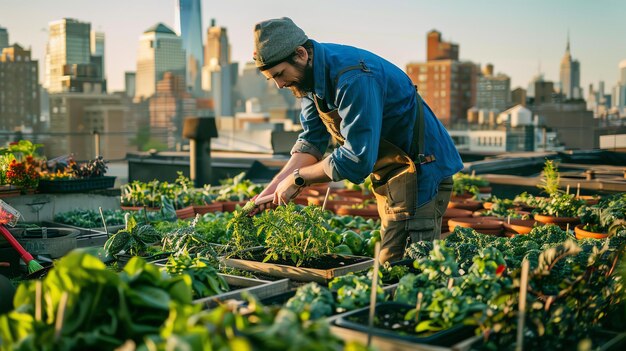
[
  {"x": 202, "y": 209},
  {"x": 300, "y": 273}
]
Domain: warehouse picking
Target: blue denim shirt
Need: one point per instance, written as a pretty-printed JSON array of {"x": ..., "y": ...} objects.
[{"x": 379, "y": 102}]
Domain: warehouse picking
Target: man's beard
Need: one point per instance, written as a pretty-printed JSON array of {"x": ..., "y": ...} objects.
[{"x": 305, "y": 86}]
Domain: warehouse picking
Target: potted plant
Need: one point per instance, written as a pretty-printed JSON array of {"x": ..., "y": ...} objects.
[
  {"x": 470, "y": 186},
  {"x": 603, "y": 219},
  {"x": 66, "y": 175},
  {"x": 237, "y": 191}
]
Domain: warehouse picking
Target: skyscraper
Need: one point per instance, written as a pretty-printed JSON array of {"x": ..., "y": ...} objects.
[
  {"x": 189, "y": 27},
  {"x": 219, "y": 75},
  {"x": 493, "y": 92},
  {"x": 160, "y": 51},
  {"x": 4, "y": 38},
  {"x": 69, "y": 64},
  {"x": 97, "y": 51},
  {"x": 19, "y": 89},
  {"x": 570, "y": 75}
]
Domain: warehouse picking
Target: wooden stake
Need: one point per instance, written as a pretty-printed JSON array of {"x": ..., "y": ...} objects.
[
  {"x": 523, "y": 288},
  {"x": 38, "y": 293},
  {"x": 373, "y": 293},
  {"x": 418, "y": 306},
  {"x": 567, "y": 228},
  {"x": 103, "y": 221},
  {"x": 325, "y": 199},
  {"x": 577, "y": 190},
  {"x": 58, "y": 325},
  {"x": 567, "y": 191}
]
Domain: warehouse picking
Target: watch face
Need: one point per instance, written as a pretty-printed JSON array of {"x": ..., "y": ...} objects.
[{"x": 299, "y": 181}]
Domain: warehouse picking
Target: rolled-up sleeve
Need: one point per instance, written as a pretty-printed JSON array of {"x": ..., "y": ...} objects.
[
  {"x": 314, "y": 137},
  {"x": 360, "y": 105}
]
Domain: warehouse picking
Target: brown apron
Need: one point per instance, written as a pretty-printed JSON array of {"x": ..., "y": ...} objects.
[{"x": 394, "y": 178}]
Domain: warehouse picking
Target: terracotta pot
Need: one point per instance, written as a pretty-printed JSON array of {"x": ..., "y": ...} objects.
[
  {"x": 212, "y": 207},
  {"x": 139, "y": 208},
  {"x": 560, "y": 221},
  {"x": 353, "y": 194},
  {"x": 584, "y": 234},
  {"x": 487, "y": 205},
  {"x": 456, "y": 212},
  {"x": 335, "y": 203},
  {"x": 231, "y": 206},
  {"x": 519, "y": 226},
  {"x": 589, "y": 199},
  {"x": 484, "y": 226},
  {"x": 301, "y": 200},
  {"x": 185, "y": 212},
  {"x": 470, "y": 205},
  {"x": 367, "y": 213}
]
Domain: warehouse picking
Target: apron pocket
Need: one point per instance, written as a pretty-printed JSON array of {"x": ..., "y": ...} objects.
[{"x": 399, "y": 195}]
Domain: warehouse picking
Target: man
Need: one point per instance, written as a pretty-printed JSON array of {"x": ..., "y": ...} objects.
[{"x": 383, "y": 128}]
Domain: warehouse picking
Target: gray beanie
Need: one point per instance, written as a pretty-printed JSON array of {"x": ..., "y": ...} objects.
[{"x": 275, "y": 40}]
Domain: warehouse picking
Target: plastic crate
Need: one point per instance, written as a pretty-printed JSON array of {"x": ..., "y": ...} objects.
[{"x": 75, "y": 185}]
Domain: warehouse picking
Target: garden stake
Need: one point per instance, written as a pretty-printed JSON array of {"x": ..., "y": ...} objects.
[
  {"x": 325, "y": 199},
  {"x": 38, "y": 289},
  {"x": 450, "y": 283},
  {"x": 60, "y": 315},
  {"x": 577, "y": 190},
  {"x": 523, "y": 287},
  {"x": 104, "y": 222},
  {"x": 373, "y": 294},
  {"x": 418, "y": 306},
  {"x": 567, "y": 228},
  {"x": 508, "y": 220},
  {"x": 567, "y": 191}
]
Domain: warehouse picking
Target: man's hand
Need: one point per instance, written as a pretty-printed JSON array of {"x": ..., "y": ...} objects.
[
  {"x": 262, "y": 203},
  {"x": 286, "y": 191}
]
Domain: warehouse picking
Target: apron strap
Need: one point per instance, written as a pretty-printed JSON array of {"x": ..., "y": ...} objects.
[{"x": 417, "y": 145}]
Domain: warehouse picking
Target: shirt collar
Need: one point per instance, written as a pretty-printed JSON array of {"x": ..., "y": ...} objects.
[{"x": 319, "y": 69}]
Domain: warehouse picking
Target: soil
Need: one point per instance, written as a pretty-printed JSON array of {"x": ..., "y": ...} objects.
[
  {"x": 391, "y": 319},
  {"x": 325, "y": 262}
]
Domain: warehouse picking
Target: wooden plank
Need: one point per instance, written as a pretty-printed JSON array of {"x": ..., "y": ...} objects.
[{"x": 297, "y": 273}]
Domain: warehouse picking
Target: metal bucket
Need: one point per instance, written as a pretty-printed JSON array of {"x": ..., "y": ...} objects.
[{"x": 54, "y": 242}]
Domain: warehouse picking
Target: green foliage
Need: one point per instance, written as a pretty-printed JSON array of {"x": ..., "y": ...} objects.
[
  {"x": 93, "y": 308},
  {"x": 467, "y": 184},
  {"x": 311, "y": 302},
  {"x": 238, "y": 189},
  {"x": 134, "y": 239},
  {"x": 353, "y": 291},
  {"x": 550, "y": 181},
  {"x": 89, "y": 218},
  {"x": 205, "y": 280},
  {"x": 294, "y": 234},
  {"x": 560, "y": 205}
]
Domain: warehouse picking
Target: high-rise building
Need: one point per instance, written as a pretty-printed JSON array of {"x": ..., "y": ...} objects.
[
  {"x": 449, "y": 87},
  {"x": 518, "y": 96},
  {"x": 4, "y": 38},
  {"x": 96, "y": 43},
  {"x": 129, "y": 84},
  {"x": 493, "y": 92},
  {"x": 160, "y": 51},
  {"x": 168, "y": 108},
  {"x": 19, "y": 89},
  {"x": 570, "y": 76},
  {"x": 219, "y": 75},
  {"x": 70, "y": 66},
  {"x": 436, "y": 49},
  {"x": 189, "y": 27}
]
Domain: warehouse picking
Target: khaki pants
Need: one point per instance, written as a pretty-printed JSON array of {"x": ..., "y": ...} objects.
[{"x": 425, "y": 224}]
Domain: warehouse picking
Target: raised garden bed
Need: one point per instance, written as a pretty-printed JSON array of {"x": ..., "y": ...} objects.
[
  {"x": 75, "y": 185},
  {"x": 320, "y": 270}
]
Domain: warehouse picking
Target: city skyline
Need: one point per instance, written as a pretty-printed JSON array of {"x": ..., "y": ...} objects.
[{"x": 485, "y": 30}]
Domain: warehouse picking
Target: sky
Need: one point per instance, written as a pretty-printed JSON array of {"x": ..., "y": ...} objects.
[{"x": 519, "y": 37}]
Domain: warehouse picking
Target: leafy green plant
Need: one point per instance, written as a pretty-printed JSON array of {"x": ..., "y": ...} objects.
[
  {"x": 134, "y": 239},
  {"x": 238, "y": 189},
  {"x": 294, "y": 234},
  {"x": 550, "y": 178},
  {"x": 81, "y": 305},
  {"x": 311, "y": 302},
  {"x": 607, "y": 216},
  {"x": 467, "y": 184},
  {"x": 89, "y": 218},
  {"x": 205, "y": 281},
  {"x": 354, "y": 291},
  {"x": 560, "y": 205}
]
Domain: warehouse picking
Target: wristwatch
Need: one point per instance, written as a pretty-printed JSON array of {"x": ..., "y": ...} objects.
[{"x": 297, "y": 178}]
